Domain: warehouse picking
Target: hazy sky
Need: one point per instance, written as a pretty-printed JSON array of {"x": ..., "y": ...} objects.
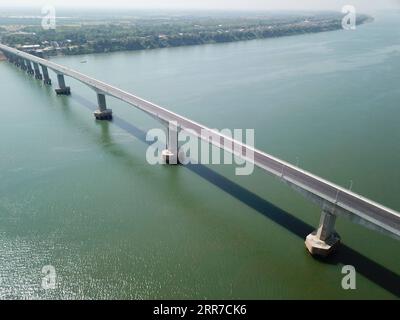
[{"x": 361, "y": 5}]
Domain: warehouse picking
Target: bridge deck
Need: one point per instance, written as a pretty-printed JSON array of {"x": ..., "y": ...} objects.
[{"x": 372, "y": 212}]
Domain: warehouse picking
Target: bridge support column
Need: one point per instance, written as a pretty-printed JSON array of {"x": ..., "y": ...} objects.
[
  {"x": 38, "y": 75},
  {"x": 63, "y": 89},
  {"x": 23, "y": 65},
  {"x": 17, "y": 62},
  {"x": 171, "y": 154},
  {"x": 324, "y": 240},
  {"x": 102, "y": 113},
  {"x": 29, "y": 65},
  {"x": 47, "y": 79}
]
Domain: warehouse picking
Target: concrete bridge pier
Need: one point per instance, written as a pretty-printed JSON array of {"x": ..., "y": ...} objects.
[
  {"x": 171, "y": 154},
  {"x": 38, "y": 75},
  {"x": 63, "y": 89},
  {"x": 47, "y": 79},
  {"x": 324, "y": 240},
  {"x": 102, "y": 113},
  {"x": 17, "y": 61},
  {"x": 23, "y": 65},
  {"x": 29, "y": 65}
]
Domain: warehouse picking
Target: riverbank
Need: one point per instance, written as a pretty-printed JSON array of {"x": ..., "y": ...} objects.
[{"x": 164, "y": 32}]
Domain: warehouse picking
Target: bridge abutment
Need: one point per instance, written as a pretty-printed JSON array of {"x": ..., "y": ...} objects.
[
  {"x": 102, "y": 113},
  {"x": 47, "y": 79},
  {"x": 63, "y": 89},
  {"x": 324, "y": 240}
]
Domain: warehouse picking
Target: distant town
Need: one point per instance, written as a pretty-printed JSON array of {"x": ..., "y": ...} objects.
[{"x": 98, "y": 35}]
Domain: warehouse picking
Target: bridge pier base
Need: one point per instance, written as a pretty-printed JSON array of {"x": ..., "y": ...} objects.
[
  {"x": 324, "y": 240},
  {"x": 102, "y": 113},
  {"x": 63, "y": 89},
  {"x": 171, "y": 154}
]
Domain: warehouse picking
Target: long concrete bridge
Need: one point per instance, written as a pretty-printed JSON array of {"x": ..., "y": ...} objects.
[{"x": 334, "y": 200}]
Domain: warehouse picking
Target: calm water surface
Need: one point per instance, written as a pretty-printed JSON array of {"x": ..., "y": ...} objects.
[{"x": 79, "y": 195}]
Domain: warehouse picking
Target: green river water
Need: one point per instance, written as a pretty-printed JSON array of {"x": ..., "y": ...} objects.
[{"x": 79, "y": 195}]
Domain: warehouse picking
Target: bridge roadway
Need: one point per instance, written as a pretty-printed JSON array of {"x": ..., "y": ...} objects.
[{"x": 331, "y": 197}]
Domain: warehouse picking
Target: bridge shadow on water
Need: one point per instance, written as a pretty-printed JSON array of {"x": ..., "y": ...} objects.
[{"x": 370, "y": 269}]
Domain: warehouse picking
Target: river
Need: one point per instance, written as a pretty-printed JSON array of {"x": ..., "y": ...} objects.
[{"x": 79, "y": 195}]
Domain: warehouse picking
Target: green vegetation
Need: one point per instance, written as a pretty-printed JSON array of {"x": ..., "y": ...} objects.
[{"x": 149, "y": 33}]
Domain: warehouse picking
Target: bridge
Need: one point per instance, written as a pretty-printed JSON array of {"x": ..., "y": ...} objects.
[{"x": 334, "y": 200}]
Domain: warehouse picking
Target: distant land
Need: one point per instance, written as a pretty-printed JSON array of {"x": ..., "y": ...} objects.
[{"x": 104, "y": 33}]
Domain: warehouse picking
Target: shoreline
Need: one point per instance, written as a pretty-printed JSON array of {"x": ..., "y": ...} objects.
[
  {"x": 370, "y": 20},
  {"x": 189, "y": 45},
  {"x": 110, "y": 38}
]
